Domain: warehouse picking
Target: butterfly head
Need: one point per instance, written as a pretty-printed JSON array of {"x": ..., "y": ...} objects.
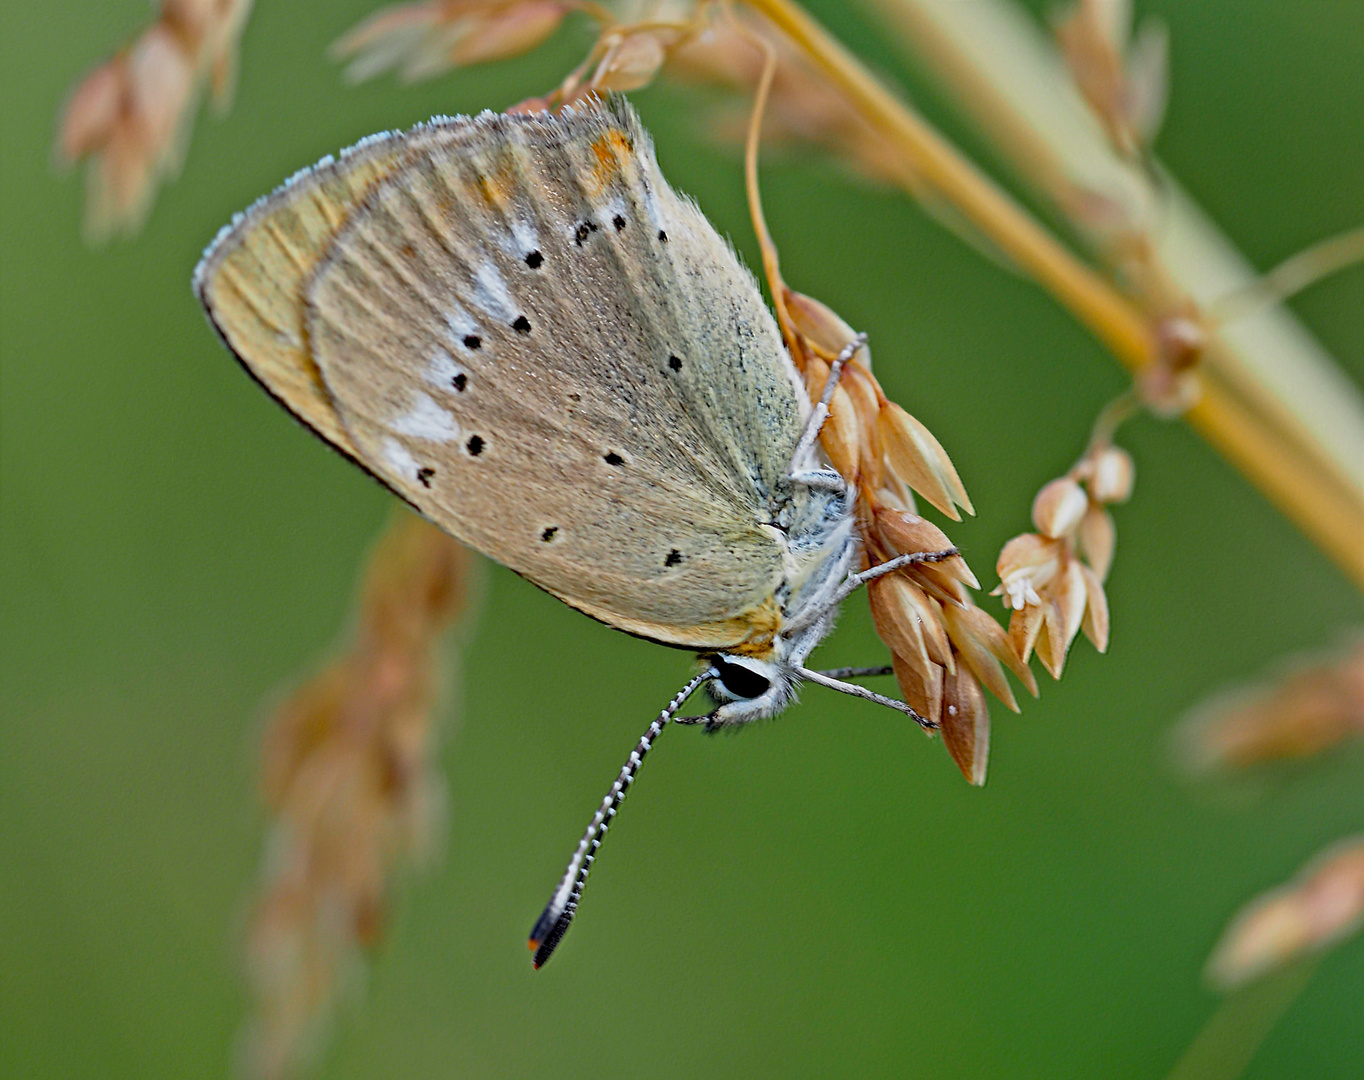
[
  {"x": 746, "y": 688},
  {"x": 750, "y": 687}
]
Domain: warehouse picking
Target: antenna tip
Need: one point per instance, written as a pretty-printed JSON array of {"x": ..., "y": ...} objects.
[
  {"x": 541, "y": 955},
  {"x": 548, "y": 931}
]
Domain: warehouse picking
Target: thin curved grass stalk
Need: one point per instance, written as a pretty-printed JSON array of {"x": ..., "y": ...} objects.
[
  {"x": 983, "y": 203},
  {"x": 865, "y": 437}
]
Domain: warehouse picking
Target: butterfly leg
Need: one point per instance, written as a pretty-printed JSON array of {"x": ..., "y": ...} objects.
[
  {"x": 822, "y": 478},
  {"x": 857, "y": 672},
  {"x": 855, "y": 581},
  {"x": 853, "y": 690}
]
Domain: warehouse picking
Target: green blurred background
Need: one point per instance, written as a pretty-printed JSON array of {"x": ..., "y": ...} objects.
[{"x": 820, "y": 896}]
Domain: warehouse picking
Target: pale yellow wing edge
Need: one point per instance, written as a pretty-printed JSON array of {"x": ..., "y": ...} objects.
[
  {"x": 750, "y": 633},
  {"x": 253, "y": 276}
]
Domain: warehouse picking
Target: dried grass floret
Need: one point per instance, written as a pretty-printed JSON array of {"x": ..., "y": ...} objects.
[
  {"x": 349, "y": 778},
  {"x": 1318, "y": 909},
  {"x": 130, "y": 118}
]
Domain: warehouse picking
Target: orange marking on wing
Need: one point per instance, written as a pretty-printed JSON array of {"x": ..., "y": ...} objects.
[
  {"x": 763, "y": 624},
  {"x": 611, "y": 149},
  {"x": 496, "y": 188}
]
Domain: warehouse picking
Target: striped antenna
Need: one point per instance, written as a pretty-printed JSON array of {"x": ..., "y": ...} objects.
[{"x": 553, "y": 923}]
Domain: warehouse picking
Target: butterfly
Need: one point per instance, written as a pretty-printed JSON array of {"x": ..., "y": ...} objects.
[{"x": 516, "y": 325}]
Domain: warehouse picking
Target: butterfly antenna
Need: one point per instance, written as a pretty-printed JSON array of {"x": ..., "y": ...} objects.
[{"x": 553, "y": 923}]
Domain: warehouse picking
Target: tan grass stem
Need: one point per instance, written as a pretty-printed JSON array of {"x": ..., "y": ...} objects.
[
  {"x": 1113, "y": 318},
  {"x": 1287, "y": 436},
  {"x": 1274, "y": 403}
]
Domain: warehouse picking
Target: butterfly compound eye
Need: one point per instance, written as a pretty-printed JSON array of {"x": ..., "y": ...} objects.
[{"x": 741, "y": 681}]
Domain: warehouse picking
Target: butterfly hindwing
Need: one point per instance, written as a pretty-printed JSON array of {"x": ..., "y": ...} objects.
[{"x": 518, "y": 326}]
